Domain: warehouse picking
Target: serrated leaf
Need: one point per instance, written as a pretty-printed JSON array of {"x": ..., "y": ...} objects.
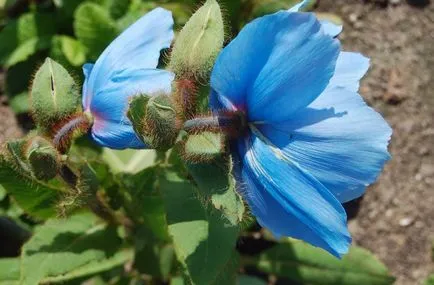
[
  {"x": 129, "y": 161},
  {"x": 220, "y": 188},
  {"x": 306, "y": 264},
  {"x": 38, "y": 199},
  {"x": 60, "y": 247},
  {"x": 94, "y": 28},
  {"x": 203, "y": 242},
  {"x": 9, "y": 270},
  {"x": 199, "y": 42}
]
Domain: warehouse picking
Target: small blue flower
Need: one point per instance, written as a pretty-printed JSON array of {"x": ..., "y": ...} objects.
[
  {"x": 311, "y": 142},
  {"x": 127, "y": 68}
]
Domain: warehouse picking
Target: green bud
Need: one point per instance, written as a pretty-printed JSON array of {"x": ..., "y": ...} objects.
[
  {"x": 199, "y": 42},
  {"x": 154, "y": 120},
  {"x": 55, "y": 96},
  {"x": 204, "y": 146},
  {"x": 43, "y": 158}
]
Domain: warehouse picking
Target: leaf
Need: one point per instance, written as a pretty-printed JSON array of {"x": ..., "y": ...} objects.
[
  {"x": 199, "y": 42},
  {"x": 24, "y": 36},
  {"x": 18, "y": 77},
  {"x": 129, "y": 161},
  {"x": 249, "y": 280},
  {"x": 20, "y": 103},
  {"x": 9, "y": 270},
  {"x": 204, "y": 146},
  {"x": 203, "y": 242},
  {"x": 37, "y": 198},
  {"x": 306, "y": 264},
  {"x": 265, "y": 7},
  {"x": 60, "y": 247},
  {"x": 93, "y": 268},
  {"x": 220, "y": 188},
  {"x": 73, "y": 50},
  {"x": 94, "y": 28},
  {"x": 430, "y": 280}
]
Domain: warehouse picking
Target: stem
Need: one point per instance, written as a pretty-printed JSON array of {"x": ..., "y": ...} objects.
[{"x": 73, "y": 127}]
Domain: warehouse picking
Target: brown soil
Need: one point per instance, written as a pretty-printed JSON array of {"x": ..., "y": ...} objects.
[{"x": 396, "y": 218}]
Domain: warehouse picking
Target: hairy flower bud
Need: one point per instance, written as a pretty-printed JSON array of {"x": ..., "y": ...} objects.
[
  {"x": 54, "y": 95},
  {"x": 43, "y": 158},
  {"x": 154, "y": 120}
]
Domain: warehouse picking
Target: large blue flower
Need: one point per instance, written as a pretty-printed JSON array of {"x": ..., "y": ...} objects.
[
  {"x": 127, "y": 68},
  {"x": 311, "y": 143}
]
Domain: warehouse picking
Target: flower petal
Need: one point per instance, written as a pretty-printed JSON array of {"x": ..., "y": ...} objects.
[
  {"x": 289, "y": 201},
  {"x": 110, "y": 105},
  {"x": 338, "y": 139},
  {"x": 350, "y": 68},
  {"x": 87, "y": 70},
  {"x": 289, "y": 66},
  {"x": 138, "y": 47},
  {"x": 331, "y": 29}
]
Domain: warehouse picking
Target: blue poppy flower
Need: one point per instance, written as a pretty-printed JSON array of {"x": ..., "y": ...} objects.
[
  {"x": 311, "y": 142},
  {"x": 126, "y": 68}
]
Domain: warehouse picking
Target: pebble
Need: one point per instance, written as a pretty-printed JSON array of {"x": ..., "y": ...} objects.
[{"x": 406, "y": 222}]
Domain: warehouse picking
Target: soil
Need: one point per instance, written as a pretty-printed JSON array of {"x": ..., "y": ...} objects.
[{"x": 396, "y": 216}]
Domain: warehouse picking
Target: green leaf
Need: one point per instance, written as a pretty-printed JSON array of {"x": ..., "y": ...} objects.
[
  {"x": 430, "y": 280},
  {"x": 19, "y": 77},
  {"x": 265, "y": 7},
  {"x": 129, "y": 161},
  {"x": 35, "y": 197},
  {"x": 24, "y": 36},
  {"x": 220, "y": 188},
  {"x": 204, "y": 146},
  {"x": 73, "y": 50},
  {"x": 203, "y": 242},
  {"x": 20, "y": 103},
  {"x": 2, "y": 193},
  {"x": 60, "y": 247},
  {"x": 119, "y": 259},
  {"x": 249, "y": 280},
  {"x": 199, "y": 42},
  {"x": 9, "y": 270},
  {"x": 94, "y": 28},
  {"x": 306, "y": 264}
]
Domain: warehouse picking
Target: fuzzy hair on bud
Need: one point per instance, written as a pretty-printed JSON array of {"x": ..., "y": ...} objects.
[
  {"x": 43, "y": 158},
  {"x": 54, "y": 95},
  {"x": 154, "y": 120},
  {"x": 204, "y": 146},
  {"x": 199, "y": 43}
]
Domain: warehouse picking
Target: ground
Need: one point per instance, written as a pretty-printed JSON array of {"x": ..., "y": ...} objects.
[{"x": 396, "y": 216}]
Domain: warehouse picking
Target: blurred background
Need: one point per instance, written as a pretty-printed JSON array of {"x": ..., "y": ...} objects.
[{"x": 395, "y": 219}]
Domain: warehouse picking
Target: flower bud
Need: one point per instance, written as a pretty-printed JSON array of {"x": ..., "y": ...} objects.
[
  {"x": 54, "y": 95},
  {"x": 154, "y": 120},
  {"x": 203, "y": 146},
  {"x": 199, "y": 42},
  {"x": 43, "y": 158}
]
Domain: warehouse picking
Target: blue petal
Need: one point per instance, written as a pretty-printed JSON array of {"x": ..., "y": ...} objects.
[
  {"x": 138, "y": 47},
  {"x": 87, "y": 69},
  {"x": 290, "y": 202},
  {"x": 338, "y": 139},
  {"x": 300, "y": 6},
  {"x": 331, "y": 29},
  {"x": 275, "y": 66},
  {"x": 109, "y": 106}
]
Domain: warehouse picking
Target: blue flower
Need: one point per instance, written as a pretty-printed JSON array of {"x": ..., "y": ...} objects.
[
  {"x": 311, "y": 142},
  {"x": 127, "y": 68}
]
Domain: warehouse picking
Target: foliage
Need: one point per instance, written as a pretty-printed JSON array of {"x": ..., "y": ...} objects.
[{"x": 172, "y": 215}]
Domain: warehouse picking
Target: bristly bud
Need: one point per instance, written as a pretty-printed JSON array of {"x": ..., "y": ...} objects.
[
  {"x": 154, "y": 120},
  {"x": 69, "y": 129},
  {"x": 203, "y": 146},
  {"x": 199, "y": 43},
  {"x": 16, "y": 155},
  {"x": 43, "y": 158},
  {"x": 54, "y": 95}
]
